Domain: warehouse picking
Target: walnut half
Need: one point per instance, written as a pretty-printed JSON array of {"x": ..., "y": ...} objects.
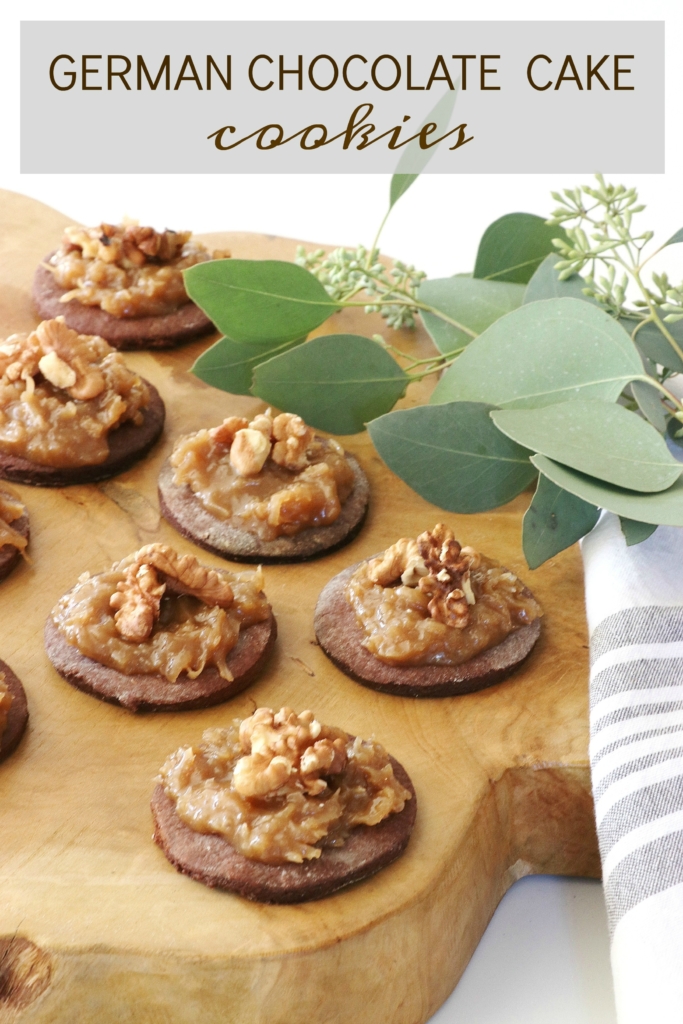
[{"x": 137, "y": 600}]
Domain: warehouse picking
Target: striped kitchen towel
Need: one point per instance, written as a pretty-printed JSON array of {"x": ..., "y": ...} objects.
[{"x": 634, "y": 603}]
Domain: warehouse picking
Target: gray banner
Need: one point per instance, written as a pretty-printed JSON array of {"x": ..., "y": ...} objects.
[{"x": 330, "y": 97}]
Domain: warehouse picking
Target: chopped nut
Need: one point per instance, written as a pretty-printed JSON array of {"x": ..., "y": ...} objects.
[
  {"x": 57, "y": 371},
  {"x": 395, "y": 561},
  {"x": 195, "y": 579},
  {"x": 264, "y": 423},
  {"x": 137, "y": 601},
  {"x": 284, "y": 746},
  {"x": 249, "y": 451},
  {"x": 436, "y": 564},
  {"x": 292, "y": 439},
  {"x": 225, "y": 433}
]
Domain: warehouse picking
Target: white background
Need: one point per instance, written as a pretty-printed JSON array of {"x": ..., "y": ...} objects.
[{"x": 545, "y": 955}]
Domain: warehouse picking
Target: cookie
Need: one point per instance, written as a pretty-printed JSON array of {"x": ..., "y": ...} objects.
[
  {"x": 154, "y": 692},
  {"x": 184, "y": 511},
  {"x": 212, "y": 860},
  {"x": 124, "y": 333},
  {"x": 9, "y": 555},
  {"x": 341, "y": 637},
  {"x": 127, "y": 445},
  {"x": 17, "y": 716}
]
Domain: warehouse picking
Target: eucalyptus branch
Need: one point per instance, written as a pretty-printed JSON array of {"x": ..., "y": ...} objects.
[{"x": 613, "y": 243}]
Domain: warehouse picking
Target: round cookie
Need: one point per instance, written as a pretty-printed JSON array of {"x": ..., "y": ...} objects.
[
  {"x": 153, "y": 692},
  {"x": 9, "y": 555},
  {"x": 17, "y": 716},
  {"x": 184, "y": 511},
  {"x": 211, "y": 859},
  {"x": 124, "y": 333},
  {"x": 341, "y": 637},
  {"x": 127, "y": 445}
]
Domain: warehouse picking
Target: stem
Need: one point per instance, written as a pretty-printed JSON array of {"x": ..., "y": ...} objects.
[
  {"x": 660, "y": 387},
  {"x": 379, "y": 232},
  {"x": 417, "y": 305},
  {"x": 654, "y": 315},
  {"x": 441, "y": 363}
]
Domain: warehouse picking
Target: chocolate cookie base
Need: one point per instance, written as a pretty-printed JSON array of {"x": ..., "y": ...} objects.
[
  {"x": 211, "y": 859},
  {"x": 189, "y": 517},
  {"x": 341, "y": 638},
  {"x": 124, "y": 333},
  {"x": 127, "y": 445},
  {"x": 17, "y": 716},
  {"x": 9, "y": 555},
  {"x": 153, "y": 692}
]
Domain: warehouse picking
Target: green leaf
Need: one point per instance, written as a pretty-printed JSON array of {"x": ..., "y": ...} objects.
[
  {"x": 654, "y": 345},
  {"x": 550, "y": 351},
  {"x": 599, "y": 438},
  {"x": 554, "y": 521},
  {"x": 665, "y": 508},
  {"x": 634, "y": 532},
  {"x": 475, "y": 304},
  {"x": 253, "y": 301},
  {"x": 513, "y": 247},
  {"x": 229, "y": 365},
  {"x": 649, "y": 401},
  {"x": 336, "y": 383},
  {"x": 678, "y": 237},
  {"x": 413, "y": 156},
  {"x": 452, "y": 455},
  {"x": 546, "y": 284},
  {"x": 674, "y": 433},
  {"x": 400, "y": 183}
]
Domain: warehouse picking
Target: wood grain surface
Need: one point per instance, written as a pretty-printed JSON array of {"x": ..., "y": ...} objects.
[{"x": 95, "y": 924}]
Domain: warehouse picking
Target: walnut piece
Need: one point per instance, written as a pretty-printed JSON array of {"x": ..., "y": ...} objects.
[
  {"x": 137, "y": 602},
  {"x": 283, "y": 748},
  {"x": 138, "y": 598},
  {"x": 198, "y": 580},
  {"x": 401, "y": 559},
  {"x": 292, "y": 440},
  {"x": 225, "y": 433},
  {"x": 249, "y": 451},
  {"x": 438, "y": 566},
  {"x": 72, "y": 349}
]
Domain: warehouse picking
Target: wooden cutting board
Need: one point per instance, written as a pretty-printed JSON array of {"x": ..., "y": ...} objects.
[{"x": 95, "y": 924}]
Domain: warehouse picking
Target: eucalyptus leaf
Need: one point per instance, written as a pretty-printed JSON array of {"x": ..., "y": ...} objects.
[
  {"x": 549, "y": 351},
  {"x": 400, "y": 183},
  {"x": 554, "y": 521},
  {"x": 654, "y": 345},
  {"x": 649, "y": 401},
  {"x": 475, "y": 304},
  {"x": 336, "y": 383},
  {"x": 546, "y": 284},
  {"x": 452, "y": 455},
  {"x": 599, "y": 438},
  {"x": 674, "y": 437},
  {"x": 665, "y": 508},
  {"x": 634, "y": 532},
  {"x": 229, "y": 365},
  {"x": 415, "y": 157},
  {"x": 513, "y": 247},
  {"x": 253, "y": 301},
  {"x": 678, "y": 237}
]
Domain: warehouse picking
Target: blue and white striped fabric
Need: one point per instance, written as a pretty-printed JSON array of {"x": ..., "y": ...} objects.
[{"x": 634, "y": 602}]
